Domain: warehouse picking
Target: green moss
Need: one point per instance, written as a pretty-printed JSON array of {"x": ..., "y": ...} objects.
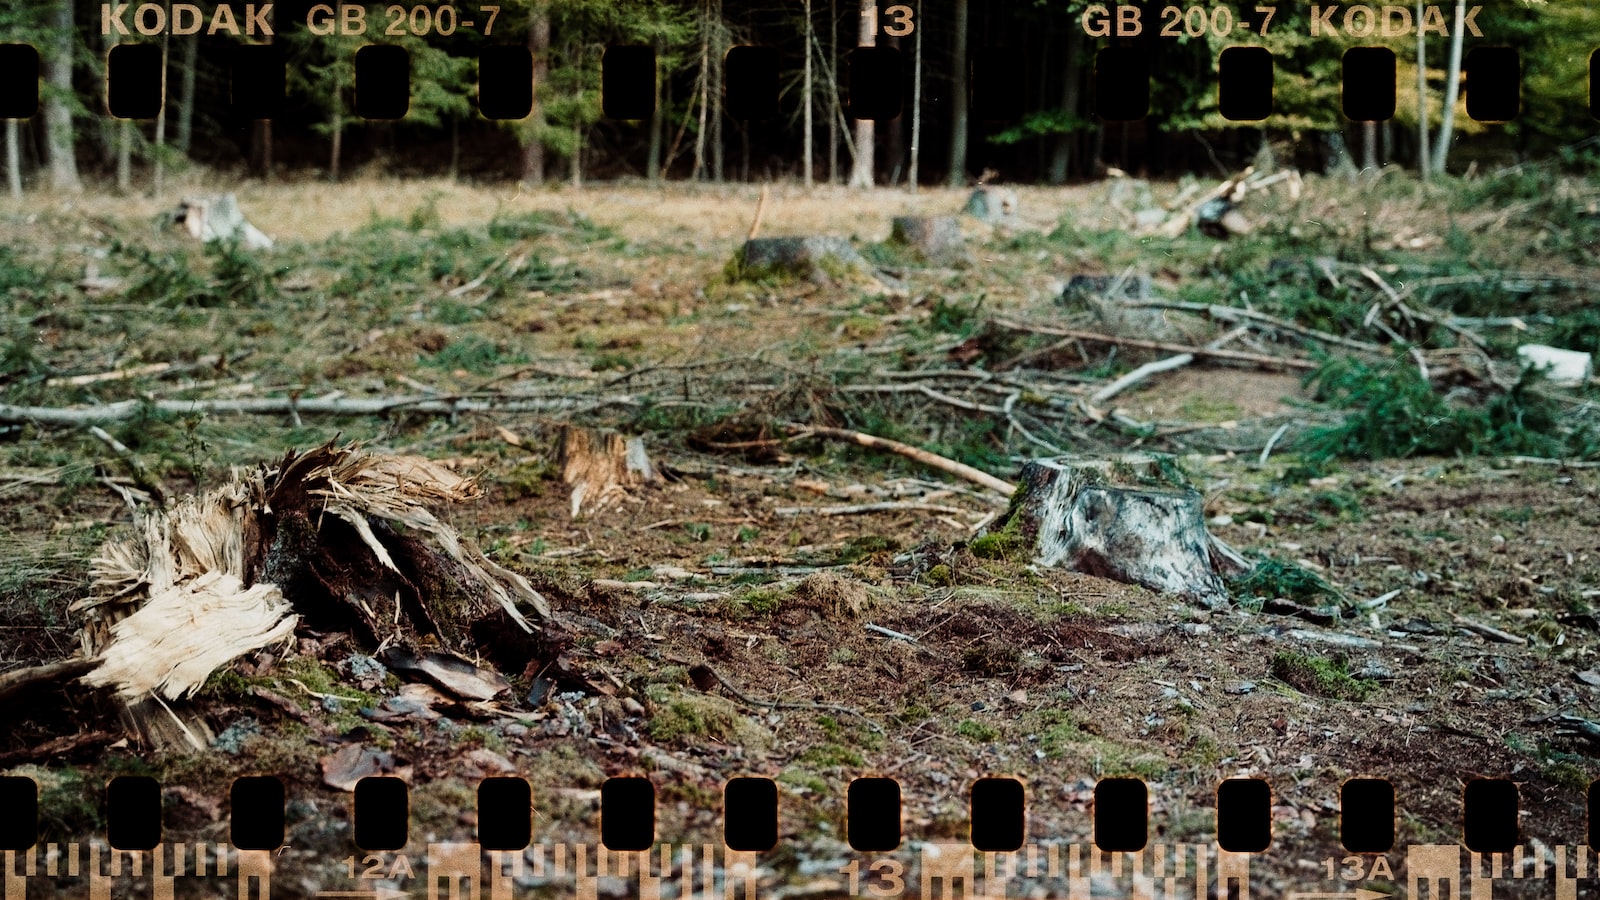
[
  {"x": 803, "y": 780},
  {"x": 938, "y": 576},
  {"x": 758, "y": 600},
  {"x": 830, "y": 756},
  {"x": 1003, "y": 544},
  {"x": 978, "y": 731},
  {"x": 1320, "y": 675},
  {"x": 679, "y": 716}
]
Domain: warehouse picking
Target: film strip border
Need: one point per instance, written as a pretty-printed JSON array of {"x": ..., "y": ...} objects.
[
  {"x": 997, "y": 807},
  {"x": 874, "y": 80},
  {"x": 1163, "y": 871}
]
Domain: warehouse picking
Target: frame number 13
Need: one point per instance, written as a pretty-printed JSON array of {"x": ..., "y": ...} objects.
[{"x": 900, "y": 24}]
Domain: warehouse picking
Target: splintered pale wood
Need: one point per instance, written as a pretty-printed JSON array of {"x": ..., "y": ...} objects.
[
  {"x": 600, "y": 465},
  {"x": 1131, "y": 518}
]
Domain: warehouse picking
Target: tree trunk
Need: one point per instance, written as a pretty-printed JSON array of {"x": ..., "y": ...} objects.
[
  {"x": 705, "y": 87},
  {"x": 652, "y": 159},
  {"x": 13, "y": 160},
  {"x": 861, "y": 164},
  {"x": 264, "y": 132},
  {"x": 805, "y": 106},
  {"x": 185, "y": 135},
  {"x": 58, "y": 100},
  {"x": 834, "y": 114},
  {"x": 124, "y": 156},
  {"x": 958, "y": 97},
  {"x": 158, "y": 169},
  {"x": 576, "y": 171},
  {"x": 916, "y": 105},
  {"x": 1452, "y": 90},
  {"x": 715, "y": 91},
  {"x": 1422, "y": 98},
  {"x": 121, "y": 136},
  {"x": 1061, "y": 153},
  {"x": 455, "y": 148},
  {"x": 1369, "y": 145},
  {"x": 539, "y": 46}
]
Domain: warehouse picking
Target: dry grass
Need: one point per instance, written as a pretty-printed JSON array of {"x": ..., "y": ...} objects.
[{"x": 302, "y": 210}]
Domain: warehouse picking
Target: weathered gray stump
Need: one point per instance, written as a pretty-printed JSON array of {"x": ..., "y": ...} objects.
[
  {"x": 1132, "y": 518},
  {"x": 217, "y": 218},
  {"x": 992, "y": 204},
  {"x": 936, "y": 238},
  {"x": 815, "y": 259}
]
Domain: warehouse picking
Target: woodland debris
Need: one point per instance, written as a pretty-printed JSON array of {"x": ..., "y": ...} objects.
[
  {"x": 1563, "y": 368},
  {"x": 1216, "y": 213},
  {"x": 448, "y": 671},
  {"x": 217, "y": 218},
  {"x": 942, "y": 463},
  {"x": 334, "y": 536},
  {"x": 600, "y": 466},
  {"x": 1262, "y": 360},
  {"x": 1132, "y": 518}
]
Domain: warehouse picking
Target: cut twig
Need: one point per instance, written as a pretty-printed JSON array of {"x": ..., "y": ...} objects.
[
  {"x": 1490, "y": 632},
  {"x": 1272, "y": 442},
  {"x": 1160, "y": 365},
  {"x": 891, "y": 633},
  {"x": 942, "y": 463},
  {"x": 141, "y": 475}
]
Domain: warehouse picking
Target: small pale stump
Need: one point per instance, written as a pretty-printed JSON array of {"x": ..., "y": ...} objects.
[
  {"x": 935, "y": 238},
  {"x": 1132, "y": 518}
]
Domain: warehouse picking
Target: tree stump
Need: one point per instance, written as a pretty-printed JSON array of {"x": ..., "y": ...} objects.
[
  {"x": 992, "y": 204},
  {"x": 1132, "y": 518},
  {"x": 600, "y": 466},
  {"x": 217, "y": 218},
  {"x": 818, "y": 259},
  {"x": 935, "y": 238}
]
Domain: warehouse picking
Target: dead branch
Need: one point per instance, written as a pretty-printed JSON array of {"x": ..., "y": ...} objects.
[
  {"x": 857, "y": 509},
  {"x": 77, "y": 416},
  {"x": 761, "y": 207},
  {"x": 58, "y": 749},
  {"x": 942, "y": 463},
  {"x": 1160, "y": 365},
  {"x": 1489, "y": 631},
  {"x": 1235, "y": 314},
  {"x": 1259, "y": 359},
  {"x": 16, "y": 682},
  {"x": 141, "y": 475}
]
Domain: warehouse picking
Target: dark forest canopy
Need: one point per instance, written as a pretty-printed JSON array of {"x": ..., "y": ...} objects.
[{"x": 1028, "y": 67}]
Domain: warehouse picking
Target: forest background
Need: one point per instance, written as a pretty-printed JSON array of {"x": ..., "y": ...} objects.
[{"x": 1035, "y": 55}]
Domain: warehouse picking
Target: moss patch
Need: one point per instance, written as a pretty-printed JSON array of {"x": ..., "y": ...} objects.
[{"x": 1320, "y": 675}]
